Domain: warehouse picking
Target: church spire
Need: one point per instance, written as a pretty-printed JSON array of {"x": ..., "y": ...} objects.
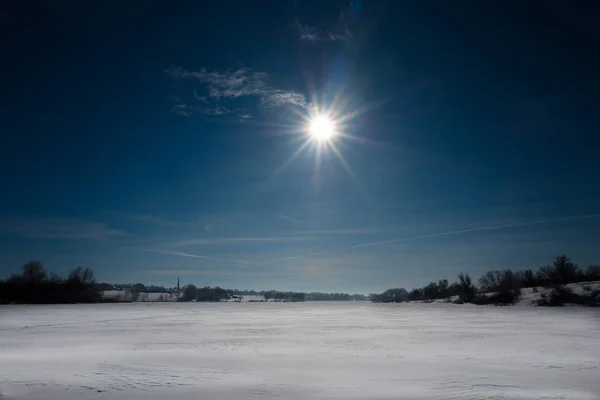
[{"x": 178, "y": 284}]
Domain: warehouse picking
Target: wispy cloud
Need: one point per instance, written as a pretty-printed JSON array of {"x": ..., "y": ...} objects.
[
  {"x": 180, "y": 272},
  {"x": 287, "y": 218},
  {"x": 152, "y": 219},
  {"x": 307, "y": 33},
  {"x": 339, "y": 29},
  {"x": 231, "y": 240},
  {"x": 201, "y": 99},
  {"x": 58, "y": 228},
  {"x": 187, "y": 110},
  {"x": 216, "y": 272},
  {"x": 224, "y": 85},
  {"x": 312, "y": 34},
  {"x": 455, "y": 232},
  {"x": 177, "y": 253},
  {"x": 348, "y": 231}
]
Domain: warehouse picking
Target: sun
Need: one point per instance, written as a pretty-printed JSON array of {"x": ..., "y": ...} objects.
[{"x": 321, "y": 128}]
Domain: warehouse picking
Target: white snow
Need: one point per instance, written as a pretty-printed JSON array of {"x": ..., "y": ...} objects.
[
  {"x": 248, "y": 351},
  {"x": 530, "y": 296}
]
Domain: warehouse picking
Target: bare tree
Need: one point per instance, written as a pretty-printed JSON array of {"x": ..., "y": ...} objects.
[
  {"x": 82, "y": 275},
  {"x": 466, "y": 288},
  {"x": 592, "y": 272},
  {"x": 562, "y": 271},
  {"x": 34, "y": 271}
]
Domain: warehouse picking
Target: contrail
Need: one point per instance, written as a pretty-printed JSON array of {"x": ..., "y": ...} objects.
[
  {"x": 177, "y": 253},
  {"x": 286, "y": 218},
  {"x": 485, "y": 228}
]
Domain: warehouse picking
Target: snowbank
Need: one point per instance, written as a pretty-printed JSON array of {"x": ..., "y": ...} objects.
[{"x": 530, "y": 296}]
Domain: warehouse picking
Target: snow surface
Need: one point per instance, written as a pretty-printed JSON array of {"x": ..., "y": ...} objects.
[
  {"x": 247, "y": 351},
  {"x": 530, "y": 296}
]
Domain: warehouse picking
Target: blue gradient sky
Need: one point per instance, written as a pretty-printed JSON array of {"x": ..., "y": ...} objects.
[{"x": 154, "y": 140}]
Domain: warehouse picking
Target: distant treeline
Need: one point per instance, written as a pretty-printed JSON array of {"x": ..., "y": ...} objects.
[
  {"x": 136, "y": 287},
  {"x": 191, "y": 292},
  {"x": 36, "y": 286},
  {"x": 504, "y": 286},
  {"x": 317, "y": 296},
  {"x": 312, "y": 296}
]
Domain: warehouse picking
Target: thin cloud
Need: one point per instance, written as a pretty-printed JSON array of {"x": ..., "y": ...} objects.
[
  {"x": 171, "y": 272},
  {"x": 177, "y": 253},
  {"x": 346, "y": 231},
  {"x": 480, "y": 229},
  {"x": 311, "y": 34},
  {"x": 187, "y": 110},
  {"x": 307, "y": 33},
  {"x": 242, "y": 114},
  {"x": 201, "y": 99},
  {"x": 287, "y": 218},
  {"x": 239, "y": 83},
  {"x": 59, "y": 228},
  {"x": 216, "y": 272},
  {"x": 230, "y": 240},
  {"x": 217, "y": 110},
  {"x": 152, "y": 219},
  {"x": 339, "y": 30}
]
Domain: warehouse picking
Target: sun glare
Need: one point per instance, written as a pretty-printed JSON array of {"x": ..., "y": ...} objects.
[{"x": 321, "y": 128}]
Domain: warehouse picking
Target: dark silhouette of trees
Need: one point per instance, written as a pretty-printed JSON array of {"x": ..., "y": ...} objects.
[
  {"x": 504, "y": 287},
  {"x": 190, "y": 292},
  {"x": 592, "y": 273},
  {"x": 490, "y": 281},
  {"x": 501, "y": 281},
  {"x": 432, "y": 291},
  {"x": 212, "y": 294},
  {"x": 83, "y": 276},
  {"x": 138, "y": 287},
  {"x": 397, "y": 295},
  {"x": 137, "y": 292},
  {"x": 529, "y": 279},
  {"x": 560, "y": 295},
  {"x": 443, "y": 287},
  {"x": 284, "y": 296},
  {"x": 205, "y": 294},
  {"x": 466, "y": 288},
  {"x": 318, "y": 296},
  {"x": 34, "y": 271},
  {"x": 416, "y": 295},
  {"x": 561, "y": 272},
  {"x": 35, "y": 286}
]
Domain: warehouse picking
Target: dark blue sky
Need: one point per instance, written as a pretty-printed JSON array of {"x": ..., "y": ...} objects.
[{"x": 150, "y": 140}]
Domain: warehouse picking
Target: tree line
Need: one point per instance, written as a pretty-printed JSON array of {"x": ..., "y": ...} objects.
[
  {"x": 504, "y": 286},
  {"x": 215, "y": 294},
  {"x": 312, "y": 296},
  {"x": 319, "y": 296},
  {"x": 36, "y": 286}
]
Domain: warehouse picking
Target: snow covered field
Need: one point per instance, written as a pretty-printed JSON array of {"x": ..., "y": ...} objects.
[{"x": 247, "y": 351}]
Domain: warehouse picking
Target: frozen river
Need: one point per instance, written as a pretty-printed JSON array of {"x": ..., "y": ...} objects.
[{"x": 298, "y": 351}]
